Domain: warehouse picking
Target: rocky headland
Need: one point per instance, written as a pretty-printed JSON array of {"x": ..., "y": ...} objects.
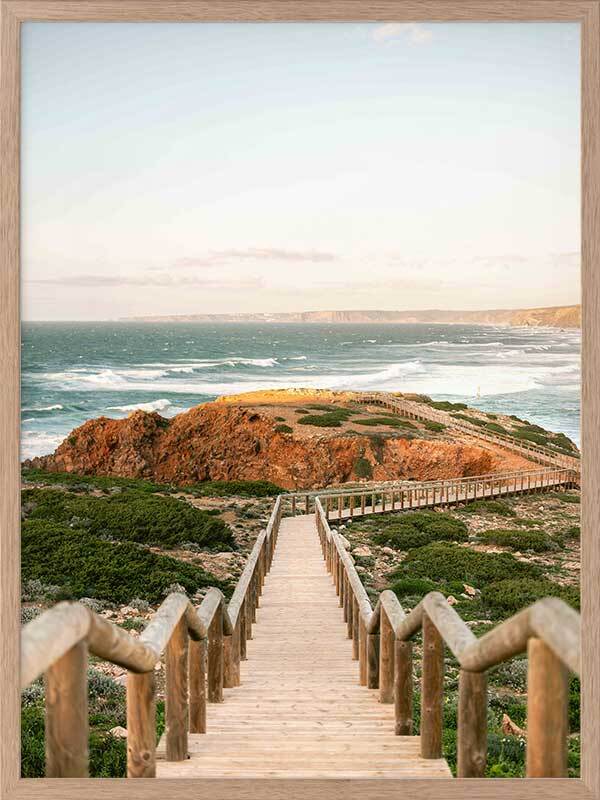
[{"x": 297, "y": 439}]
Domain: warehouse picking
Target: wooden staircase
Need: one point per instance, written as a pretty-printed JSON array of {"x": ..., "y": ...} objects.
[{"x": 300, "y": 711}]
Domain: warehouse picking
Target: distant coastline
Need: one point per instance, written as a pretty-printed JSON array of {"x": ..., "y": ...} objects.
[{"x": 549, "y": 317}]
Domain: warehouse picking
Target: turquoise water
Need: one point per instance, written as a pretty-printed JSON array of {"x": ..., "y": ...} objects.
[{"x": 72, "y": 372}]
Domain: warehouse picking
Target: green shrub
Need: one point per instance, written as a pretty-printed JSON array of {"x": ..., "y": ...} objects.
[
  {"x": 445, "y": 405},
  {"x": 495, "y": 428},
  {"x": 130, "y": 516},
  {"x": 390, "y": 422},
  {"x": 235, "y": 489},
  {"x": 443, "y": 562},
  {"x": 283, "y": 428},
  {"x": 279, "y": 419},
  {"x": 331, "y": 409},
  {"x": 363, "y": 468},
  {"x": 89, "y": 482},
  {"x": 86, "y": 566},
  {"x": 473, "y": 420},
  {"x": 33, "y": 755},
  {"x": 108, "y": 755},
  {"x": 530, "y": 436},
  {"x": 499, "y": 507},
  {"x": 507, "y": 596},
  {"x": 435, "y": 427},
  {"x": 414, "y": 529},
  {"x": 565, "y": 497},
  {"x": 330, "y": 420},
  {"x": 538, "y": 541},
  {"x": 408, "y": 587}
]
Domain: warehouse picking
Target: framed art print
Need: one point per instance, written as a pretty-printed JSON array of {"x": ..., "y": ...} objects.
[{"x": 299, "y": 399}]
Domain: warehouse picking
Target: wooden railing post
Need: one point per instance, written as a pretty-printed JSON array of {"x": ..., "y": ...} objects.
[
  {"x": 547, "y": 712},
  {"x": 176, "y": 712},
  {"x": 141, "y": 725},
  {"x": 403, "y": 688},
  {"x": 373, "y": 660},
  {"x": 355, "y": 629},
  {"x": 432, "y": 691},
  {"x": 67, "y": 715},
  {"x": 228, "y": 662},
  {"x": 215, "y": 659},
  {"x": 349, "y": 608},
  {"x": 386, "y": 659},
  {"x": 362, "y": 651},
  {"x": 472, "y": 724},
  {"x": 248, "y": 610},
  {"x": 197, "y": 673}
]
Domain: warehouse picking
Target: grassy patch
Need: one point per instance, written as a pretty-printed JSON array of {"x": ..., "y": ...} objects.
[
  {"x": 331, "y": 418},
  {"x": 445, "y": 405},
  {"x": 499, "y": 507},
  {"x": 443, "y": 562},
  {"x": 414, "y": 529},
  {"x": 434, "y": 427},
  {"x": 130, "y": 516},
  {"x": 494, "y": 427},
  {"x": 87, "y": 566},
  {"x": 283, "y": 428},
  {"x": 235, "y": 489},
  {"x": 506, "y": 597},
  {"x": 87, "y": 483},
  {"x": 538, "y": 541},
  {"x": 565, "y": 497},
  {"x": 391, "y": 422}
]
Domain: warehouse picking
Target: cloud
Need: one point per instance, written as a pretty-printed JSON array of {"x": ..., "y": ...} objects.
[
  {"x": 220, "y": 257},
  {"x": 164, "y": 279},
  {"x": 413, "y": 32}
]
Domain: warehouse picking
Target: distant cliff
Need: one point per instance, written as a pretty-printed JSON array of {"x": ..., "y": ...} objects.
[{"x": 553, "y": 317}]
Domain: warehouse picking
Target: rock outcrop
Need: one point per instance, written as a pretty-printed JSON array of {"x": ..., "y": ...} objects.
[{"x": 223, "y": 441}]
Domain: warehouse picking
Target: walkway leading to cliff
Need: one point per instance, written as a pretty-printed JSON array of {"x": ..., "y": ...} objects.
[
  {"x": 300, "y": 711},
  {"x": 302, "y": 673}
]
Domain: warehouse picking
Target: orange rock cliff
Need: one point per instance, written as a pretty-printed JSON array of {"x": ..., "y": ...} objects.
[{"x": 231, "y": 441}]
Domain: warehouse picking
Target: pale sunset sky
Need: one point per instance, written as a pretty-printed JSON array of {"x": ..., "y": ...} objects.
[{"x": 211, "y": 168}]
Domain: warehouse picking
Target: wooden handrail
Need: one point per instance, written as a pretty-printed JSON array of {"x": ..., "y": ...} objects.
[
  {"x": 422, "y": 494},
  {"x": 202, "y": 649},
  {"x": 422, "y": 411},
  {"x": 549, "y": 631}
]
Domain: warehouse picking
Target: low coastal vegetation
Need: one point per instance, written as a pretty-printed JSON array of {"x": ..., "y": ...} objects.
[
  {"x": 119, "y": 546},
  {"x": 129, "y": 515},
  {"x": 82, "y": 564},
  {"x": 490, "y": 559}
]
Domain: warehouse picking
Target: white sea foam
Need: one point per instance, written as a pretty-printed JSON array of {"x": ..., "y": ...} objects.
[
  {"x": 155, "y": 405},
  {"x": 38, "y": 443},
  {"x": 55, "y": 407}
]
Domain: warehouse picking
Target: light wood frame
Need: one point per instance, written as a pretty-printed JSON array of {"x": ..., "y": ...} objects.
[{"x": 12, "y": 14}]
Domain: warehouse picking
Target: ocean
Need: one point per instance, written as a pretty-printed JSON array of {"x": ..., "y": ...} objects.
[{"x": 72, "y": 372}]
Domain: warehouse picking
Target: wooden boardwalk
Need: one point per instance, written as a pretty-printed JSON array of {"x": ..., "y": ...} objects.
[
  {"x": 451, "y": 494},
  {"x": 300, "y": 711}
]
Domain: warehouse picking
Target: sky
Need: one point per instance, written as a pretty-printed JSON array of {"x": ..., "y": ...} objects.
[{"x": 255, "y": 167}]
